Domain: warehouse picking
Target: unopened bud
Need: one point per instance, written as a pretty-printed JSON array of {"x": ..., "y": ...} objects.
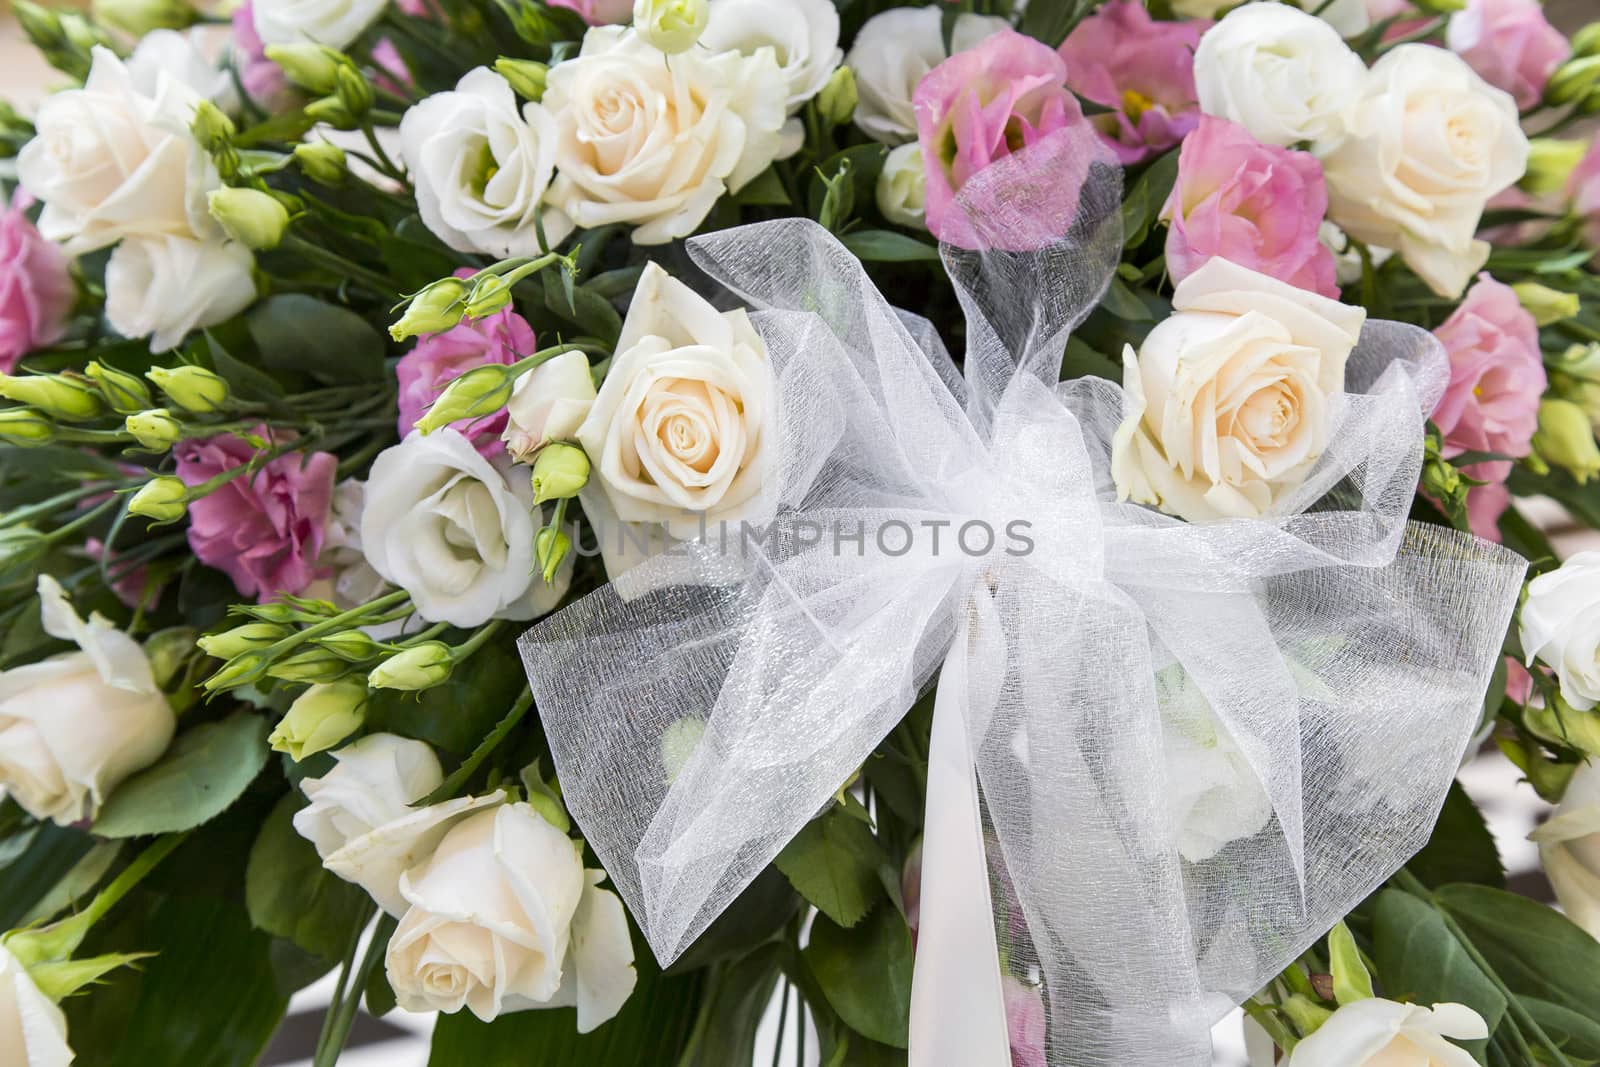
[
  {"x": 353, "y": 90},
  {"x": 194, "y": 389},
  {"x": 320, "y": 718},
  {"x": 480, "y": 392},
  {"x": 310, "y": 66},
  {"x": 837, "y": 100},
  {"x": 322, "y": 162},
  {"x": 352, "y": 646},
  {"x": 162, "y": 499},
  {"x": 331, "y": 110},
  {"x": 435, "y": 309},
  {"x": 490, "y": 294},
  {"x": 25, "y": 427},
  {"x": 240, "y": 670},
  {"x": 551, "y": 547},
  {"x": 672, "y": 26},
  {"x": 559, "y": 472},
  {"x": 169, "y": 652},
  {"x": 126, "y": 393},
  {"x": 1551, "y": 161},
  {"x": 418, "y": 667},
  {"x": 312, "y": 665},
  {"x": 1441, "y": 7},
  {"x": 155, "y": 429},
  {"x": 139, "y": 17},
  {"x": 1562, "y": 724},
  {"x": 211, "y": 127},
  {"x": 1548, "y": 306},
  {"x": 1572, "y": 81},
  {"x": 253, "y": 218},
  {"x": 1586, "y": 42},
  {"x": 56, "y": 395},
  {"x": 1566, "y": 439},
  {"x": 526, "y": 76},
  {"x": 250, "y": 637}
]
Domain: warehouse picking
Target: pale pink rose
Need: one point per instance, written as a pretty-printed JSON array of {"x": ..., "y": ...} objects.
[
  {"x": 1143, "y": 70},
  {"x": 263, "y": 530},
  {"x": 599, "y": 12},
  {"x": 1584, "y": 190},
  {"x": 263, "y": 80},
  {"x": 981, "y": 105},
  {"x": 36, "y": 290},
  {"x": 1257, "y": 205},
  {"x": 1510, "y": 44},
  {"x": 1025, "y": 1023}
]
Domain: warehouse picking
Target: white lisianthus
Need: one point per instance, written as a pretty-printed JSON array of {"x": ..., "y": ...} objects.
[
  {"x": 1228, "y": 400},
  {"x": 1348, "y": 17},
  {"x": 33, "y": 1030},
  {"x": 549, "y": 403},
  {"x": 902, "y": 188},
  {"x": 678, "y": 430},
  {"x": 1282, "y": 74},
  {"x": 654, "y": 143},
  {"x": 164, "y": 287},
  {"x": 502, "y": 917},
  {"x": 352, "y": 580},
  {"x": 1428, "y": 144},
  {"x": 482, "y": 166},
  {"x": 1569, "y": 849},
  {"x": 111, "y": 161},
  {"x": 1214, "y": 795},
  {"x": 374, "y": 781},
  {"x": 74, "y": 726},
  {"x": 445, "y": 525},
  {"x": 1379, "y": 1033},
  {"x": 335, "y": 23},
  {"x": 181, "y": 56},
  {"x": 1560, "y": 624},
  {"x": 893, "y": 52},
  {"x": 803, "y": 35}
]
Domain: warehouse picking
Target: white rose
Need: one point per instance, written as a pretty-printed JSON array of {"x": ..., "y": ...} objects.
[
  {"x": 1377, "y": 1033},
  {"x": 182, "y": 56},
  {"x": 654, "y": 143},
  {"x": 335, "y": 23},
  {"x": 1569, "y": 849},
  {"x": 678, "y": 430},
  {"x": 549, "y": 403},
  {"x": 443, "y": 523},
  {"x": 110, "y": 161},
  {"x": 374, "y": 781},
  {"x": 1228, "y": 400},
  {"x": 503, "y": 918},
  {"x": 33, "y": 1030},
  {"x": 164, "y": 287},
  {"x": 893, "y": 52},
  {"x": 803, "y": 35},
  {"x": 482, "y": 167},
  {"x": 1560, "y": 623},
  {"x": 1282, "y": 74},
  {"x": 1214, "y": 796},
  {"x": 1429, "y": 143},
  {"x": 902, "y": 188},
  {"x": 74, "y": 726}
]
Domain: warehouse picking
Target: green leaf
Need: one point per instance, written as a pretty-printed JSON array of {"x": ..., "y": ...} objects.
[
  {"x": 50, "y": 852},
  {"x": 733, "y": 1009},
  {"x": 886, "y": 246},
  {"x": 207, "y": 769},
  {"x": 833, "y": 862},
  {"x": 754, "y": 917},
  {"x": 333, "y": 345},
  {"x": 290, "y": 894},
  {"x": 247, "y": 382},
  {"x": 1052, "y": 20},
  {"x": 1578, "y": 1036},
  {"x": 865, "y": 973},
  {"x": 1536, "y": 951},
  {"x": 456, "y": 714},
  {"x": 1419, "y": 960},
  {"x": 1461, "y": 849},
  {"x": 765, "y": 190},
  {"x": 1351, "y": 982},
  {"x": 1124, "y": 303},
  {"x": 1147, "y": 197},
  {"x": 592, "y": 313}
]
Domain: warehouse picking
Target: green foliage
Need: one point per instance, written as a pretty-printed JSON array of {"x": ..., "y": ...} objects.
[
  {"x": 833, "y": 862},
  {"x": 1461, "y": 849},
  {"x": 291, "y": 895},
  {"x": 865, "y": 973},
  {"x": 456, "y": 714},
  {"x": 1420, "y": 961},
  {"x": 1536, "y": 951},
  {"x": 736, "y": 1000},
  {"x": 207, "y": 768},
  {"x": 328, "y": 344}
]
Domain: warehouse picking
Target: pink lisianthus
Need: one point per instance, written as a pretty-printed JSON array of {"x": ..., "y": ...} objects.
[
  {"x": 1025, "y": 1023},
  {"x": 1143, "y": 70},
  {"x": 981, "y": 105},
  {"x": 264, "y": 530},
  {"x": 599, "y": 12},
  {"x": 263, "y": 80},
  {"x": 1510, "y": 44},
  {"x": 1583, "y": 189},
  {"x": 36, "y": 290},
  {"x": 131, "y": 584},
  {"x": 1257, "y": 205},
  {"x": 438, "y": 359}
]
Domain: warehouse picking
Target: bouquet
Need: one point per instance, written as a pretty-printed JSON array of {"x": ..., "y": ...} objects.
[{"x": 984, "y": 530}]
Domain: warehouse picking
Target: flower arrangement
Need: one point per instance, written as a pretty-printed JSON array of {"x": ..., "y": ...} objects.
[{"x": 487, "y": 508}]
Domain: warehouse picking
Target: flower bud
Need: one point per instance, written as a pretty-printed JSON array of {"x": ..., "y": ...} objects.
[
  {"x": 1572, "y": 81},
  {"x": 194, "y": 389},
  {"x": 526, "y": 76},
  {"x": 551, "y": 547},
  {"x": 1548, "y": 306},
  {"x": 1586, "y": 42},
  {"x": 162, "y": 499},
  {"x": 320, "y": 718},
  {"x": 491, "y": 293},
  {"x": 139, "y": 17},
  {"x": 1566, "y": 439},
  {"x": 249, "y": 216},
  {"x": 25, "y": 427},
  {"x": 837, "y": 101},
  {"x": 418, "y": 667},
  {"x": 353, "y": 90},
  {"x": 312, "y": 665},
  {"x": 56, "y": 395},
  {"x": 250, "y": 637},
  {"x": 479, "y": 392},
  {"x": 673, "y": 26},
  {"x": 559, "y": 472},
  {"x": 21, "y": 548},
  {"x": 322, "y": 162},
  {"x": 352, "y": 646},
  {"x": 169, "y": 652},
  {"x": 435, "y": 309},
  {"x": 331, "y": 109},
  {"x": 1441, "y": 7},
  {"x": 678, "y": 744},
  {"x": 1563, "y": 724},
  {"x": 310, "y": 66},
  {"x": 125, "y": 392},
  {"x": 240, "y": 670},
  {"x": 902, "y": 191},
  {"x": 1551, "y": 161},
  {"x": 211, "y": 127},
  {"x": 155, "y": 429}
]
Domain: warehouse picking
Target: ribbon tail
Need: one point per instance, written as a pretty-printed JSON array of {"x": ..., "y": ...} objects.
[{"x": 958, "y": 1015}]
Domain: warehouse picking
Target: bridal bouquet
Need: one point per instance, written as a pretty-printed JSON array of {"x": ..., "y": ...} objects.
[{"x": 980, "y": 533}]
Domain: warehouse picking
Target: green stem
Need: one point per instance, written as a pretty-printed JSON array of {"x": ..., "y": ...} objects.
[
  {"x": 345, "y": 1017},
  {"x": 55, "y": 503},
  {"x": 453, "y": 784},
  {"x": 339, "y": 264},
  {"x": 349, "y": 958},
  {"x": 336, "y": 622},
  {"x": 61, "y": 533},
  {"x": 475, "y": 642}
]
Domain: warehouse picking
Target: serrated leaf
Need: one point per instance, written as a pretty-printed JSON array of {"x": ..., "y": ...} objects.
[
  {"x": 207, "y": 769},
  {"x": 865, "y": 973},
  {"x": 1461, "y": 849},
  {"x": 833, "y": 862},
  {"x": 291, "y": 895}
]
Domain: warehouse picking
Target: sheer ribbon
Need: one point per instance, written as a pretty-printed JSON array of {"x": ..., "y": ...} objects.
[{"x": 1292, "y": 692}]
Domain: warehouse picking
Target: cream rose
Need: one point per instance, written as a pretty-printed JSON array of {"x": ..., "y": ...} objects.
[
  {"x": 445, "y": 525},
  {"x": 654, "y": 141},
  {"x": 1569, "y": 849},
  {"x": 481, "y": 167},
  {"x": 111, "y": 161},
  {"x": 503, "y": 918},
  {"x": 164, "y": 287},
  {"x": 1282, "y": 74},
  {"x": 182, "y": 56},
  {"x": 1560, "y": 624},
  {"x": 1228, "y": 400},
  {"x": 374, "y": 781},
  {"x": 678, "y": 430},
  {"x": 803, "y": 36},
  {"x": 549, "y": 403},
  {"x": 74, "y": 726},
  {"x": 33, "y": 1030},
  {"x": 893, "y": 52},
  {"x": 1380, "y": 1033},
  {"x": 902, "y": 188},
  {"x": 335, "y": 23},
  {"x": 1429, "y": 143}
]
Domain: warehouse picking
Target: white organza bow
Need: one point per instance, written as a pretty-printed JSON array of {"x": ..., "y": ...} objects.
[{"x": 1342, "y": 652}]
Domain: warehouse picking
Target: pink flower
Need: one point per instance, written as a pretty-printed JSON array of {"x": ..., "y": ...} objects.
[
  {"x": 1583, "y": 187},
  {"x": 1025, "y": 1023},
  {"x": 911, "y": 887},
  {"x": 437, "y": 359},
  {"x": 263, "y": 80},
  {"x": 36, "y": 291},
  {"x": 981, "y": 105},
  {"x": 131, "y": 584},
  {"x": 599, "y": 12},
  {"x": 1519, "y": 683},
  {"x": 1510, "y": 44},
  {"x": 1258, "y": 205},
  {"x": 1143, "y": 70},
  {"x": 264, "y": 530},
  {"x": 393, "y": 75}
]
